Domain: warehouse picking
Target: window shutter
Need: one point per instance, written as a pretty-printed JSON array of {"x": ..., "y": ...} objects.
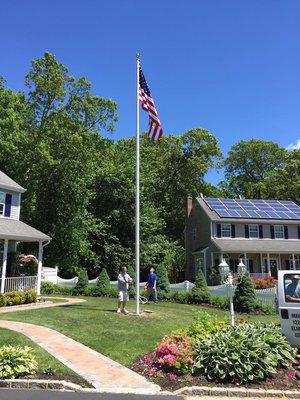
[
  {"x": 260, "y": 229},
  {"x": 272, "y": 231},
  {"x": 233, "y": 230},
  {"x": 218, "y": 230},
  {"x": 286, "y": 232},
  {"x": 8, "y": 198},
  {"x": 250, "y": 266},
  {"x": 246, "y": 231},
  {"x": 298, "y": 231}
]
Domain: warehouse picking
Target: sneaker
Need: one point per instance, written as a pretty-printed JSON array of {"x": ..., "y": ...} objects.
[
  {"x": 119, "y": 311},
  {"x": 125, "y": 311}
]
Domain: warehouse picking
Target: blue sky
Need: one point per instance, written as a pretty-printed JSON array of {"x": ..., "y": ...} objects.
[{"x": 231, "y": 66}]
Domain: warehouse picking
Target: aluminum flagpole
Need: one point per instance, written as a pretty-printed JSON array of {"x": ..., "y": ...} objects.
[{"x": 137, "y": 191}]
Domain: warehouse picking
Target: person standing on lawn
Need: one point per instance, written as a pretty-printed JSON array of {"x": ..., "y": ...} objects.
[
  {"x": 123, "y": 284},
  {"x": 151, "y": 285}
]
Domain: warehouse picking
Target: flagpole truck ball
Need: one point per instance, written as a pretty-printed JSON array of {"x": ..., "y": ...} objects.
[{"x": 288, "y": 295}]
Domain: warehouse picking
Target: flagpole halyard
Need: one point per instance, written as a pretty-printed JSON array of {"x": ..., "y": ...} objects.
[{"x": 137, "y": 192}]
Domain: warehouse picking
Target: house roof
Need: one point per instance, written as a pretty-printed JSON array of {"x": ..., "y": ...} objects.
[
  {"x": 215, "y": 217},
  {"x": 7, "y": 183},
  {"x": 16, "y": 230},
  {"x": 234, "y": 245}
]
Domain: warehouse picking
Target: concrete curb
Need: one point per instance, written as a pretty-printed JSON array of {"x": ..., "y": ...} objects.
[
  {"x": 39, "y": 384},
  {"x": 236, "y": 392}
]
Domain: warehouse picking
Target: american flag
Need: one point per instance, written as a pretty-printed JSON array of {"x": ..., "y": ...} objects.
[{"x": 147, "y": 103}]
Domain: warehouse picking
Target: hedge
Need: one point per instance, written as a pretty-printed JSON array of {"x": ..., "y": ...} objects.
[{"x": 17, "y": 298}]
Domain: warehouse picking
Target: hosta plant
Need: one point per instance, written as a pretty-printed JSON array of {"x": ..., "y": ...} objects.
[
  {"x": 16, "y": 361},
  {"x": 243, "y": 353}
]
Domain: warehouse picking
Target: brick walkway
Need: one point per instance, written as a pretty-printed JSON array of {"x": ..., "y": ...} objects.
[{"x": 99, "y": 370}]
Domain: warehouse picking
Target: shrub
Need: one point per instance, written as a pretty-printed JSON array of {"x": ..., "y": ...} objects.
[
  {"x": 264, "y": 283},
  {"x": 200, "y": 292},
  {"x": 205, "y": 324},
  {"x": 163, "y": 284},
  {"x": 131, "y": 289},
  {"x": 103, "y": 283},
  {"x": 47, "y": 288},
  {"x": 16, "y": 361},
  {"x": 113, "y": 292},
  {"x": 243, "y": 353},
  {"x": 30, "y": 296},
  {"x": 14, "y": 298},
  {"x": 245, "y": 299},
  {"x": 180, "y": 297},
  {"x": 82, "y": 283},
  {"x": 220, "y": 302},
  {"x": 2, "y": 300}
]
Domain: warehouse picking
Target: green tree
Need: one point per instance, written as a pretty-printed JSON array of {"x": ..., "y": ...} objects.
[
  {"x": 82, "y": 283},
  {"x": 284, "y": 183},
  {"x": 200, "y": 292},
  {"x": 103, "y": 283},
  {"x": 245, "y": 299},
  {"x": 163, "y": 284},
  {"x": 248, "y": 165}
]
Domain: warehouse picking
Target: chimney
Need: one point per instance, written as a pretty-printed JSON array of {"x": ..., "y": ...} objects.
[{"x": 189, "y": 206}]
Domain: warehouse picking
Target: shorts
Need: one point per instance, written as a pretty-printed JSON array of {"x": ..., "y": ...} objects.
[{"x": 123, "y": 296}]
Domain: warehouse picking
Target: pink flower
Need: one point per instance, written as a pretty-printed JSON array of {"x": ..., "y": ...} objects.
[
  {"x": 169, "y": 360},
  {"x": 190, "y": 360},
  {"x": 292, "y": 374},
  {"x": 172, "y": 377},
  {"x": 151, "y": 372},
  {"x": 148, "y": 359}
]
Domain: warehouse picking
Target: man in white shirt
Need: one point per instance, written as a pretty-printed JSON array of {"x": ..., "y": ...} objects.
[{"x": 123, "y": 283}]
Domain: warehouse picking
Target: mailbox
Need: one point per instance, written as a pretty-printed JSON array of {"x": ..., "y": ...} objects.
[{"x": 288, "y": 298}]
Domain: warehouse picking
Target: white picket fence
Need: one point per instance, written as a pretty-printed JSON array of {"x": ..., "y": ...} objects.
[{"x": 20, "y": 283}]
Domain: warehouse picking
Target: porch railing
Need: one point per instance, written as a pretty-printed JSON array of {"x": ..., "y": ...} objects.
[{"x": 20, "y": 283}]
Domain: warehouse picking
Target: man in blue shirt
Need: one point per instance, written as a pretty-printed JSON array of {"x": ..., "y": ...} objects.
[
  {"x": 151, "y": 285},
  {"x": 292, "y": 291}
]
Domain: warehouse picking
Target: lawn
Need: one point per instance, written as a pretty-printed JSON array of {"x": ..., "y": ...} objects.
[
  {"x": 96, "y": 324},
  {"x": 48, "y": 366}
]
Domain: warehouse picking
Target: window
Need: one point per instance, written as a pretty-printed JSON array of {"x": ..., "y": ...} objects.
[
  {"x": 253, "y": 231},
  {"x": 225, "y": 230},
  {"x": 279, "y": 231},
  {"x": 2, "y": 203}
]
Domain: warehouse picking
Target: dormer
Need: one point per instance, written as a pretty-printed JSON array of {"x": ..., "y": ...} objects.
[{"x": 10, "y": 197}]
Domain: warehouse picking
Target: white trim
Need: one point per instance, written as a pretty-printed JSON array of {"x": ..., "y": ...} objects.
[{"x": 4, "y": 264}]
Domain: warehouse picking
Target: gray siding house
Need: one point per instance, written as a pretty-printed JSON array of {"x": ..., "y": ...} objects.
[
  {"x": 12, "y": 232},
  {"x": 265, "y": 241}
]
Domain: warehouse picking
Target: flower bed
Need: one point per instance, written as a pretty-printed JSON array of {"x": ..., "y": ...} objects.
[
  {"x": 264, "y": 283},
  {"x": 211, "y": 352}
]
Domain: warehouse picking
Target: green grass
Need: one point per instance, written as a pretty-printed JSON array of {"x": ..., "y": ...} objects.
[
  {"x": 96, "y": 324},
  {"x": 44, "y": 359}
]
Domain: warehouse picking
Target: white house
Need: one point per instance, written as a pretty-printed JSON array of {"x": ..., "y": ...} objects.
[{"x": 12, "y": 232}]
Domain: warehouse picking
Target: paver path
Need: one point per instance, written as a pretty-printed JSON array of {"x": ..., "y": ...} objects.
[
  {"x": 33, "y": 306},
  {"x": 102, "y": 372}
]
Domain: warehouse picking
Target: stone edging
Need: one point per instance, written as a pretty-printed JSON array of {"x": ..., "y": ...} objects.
[
  {"x": 39, "y": 384},
  {"x": 236, "y": 392}
]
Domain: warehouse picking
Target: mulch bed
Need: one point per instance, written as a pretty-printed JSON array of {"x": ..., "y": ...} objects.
[
  {"x": 69, "y": 378},
  {"x": 278, "y": 381}
]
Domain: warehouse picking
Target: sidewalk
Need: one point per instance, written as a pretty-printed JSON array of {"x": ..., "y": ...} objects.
[{"x": 99, "y": 370}]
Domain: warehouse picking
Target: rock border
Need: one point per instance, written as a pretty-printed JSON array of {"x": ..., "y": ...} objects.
[
  {"x": 39, "y": 384},
  {"x": 236, "y": 392}
]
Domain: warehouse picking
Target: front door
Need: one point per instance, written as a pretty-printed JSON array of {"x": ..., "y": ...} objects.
[{"x": 273, "y": 266}]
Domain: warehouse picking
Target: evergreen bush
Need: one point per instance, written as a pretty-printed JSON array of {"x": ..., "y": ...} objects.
[
  {"x": 163, "y": 284},
  {"x": 82, "y": 283},
  {"x": 103, "y": 283},
  {"x": 200, "y": 292},
  {"x": 245, "y": 299}
]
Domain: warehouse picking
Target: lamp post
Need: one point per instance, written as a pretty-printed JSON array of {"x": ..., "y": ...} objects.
[{"x": 227, "y": 279}]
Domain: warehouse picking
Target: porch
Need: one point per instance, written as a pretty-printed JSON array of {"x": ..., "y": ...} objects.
[{"x": 12, "y": 232}]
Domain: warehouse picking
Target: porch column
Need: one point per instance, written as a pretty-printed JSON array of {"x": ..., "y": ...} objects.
[
  {"x": 40, "y": 264},
  {"x": 262, "y": 267},
  {"x": 245, "y": 255},
  {"x": 279, "y": 261},
  {"x": 268, "y": 263},
  {"x": 4, "y": 265},
  {"x": 294, "y": 261},
  {"x": 212, "y": 259}
]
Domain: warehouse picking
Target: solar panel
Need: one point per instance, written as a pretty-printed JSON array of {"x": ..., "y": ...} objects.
[{"x": 257, "y": 208}]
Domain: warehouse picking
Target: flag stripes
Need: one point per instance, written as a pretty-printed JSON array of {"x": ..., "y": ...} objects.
[{"x": 147, "y": 104}]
